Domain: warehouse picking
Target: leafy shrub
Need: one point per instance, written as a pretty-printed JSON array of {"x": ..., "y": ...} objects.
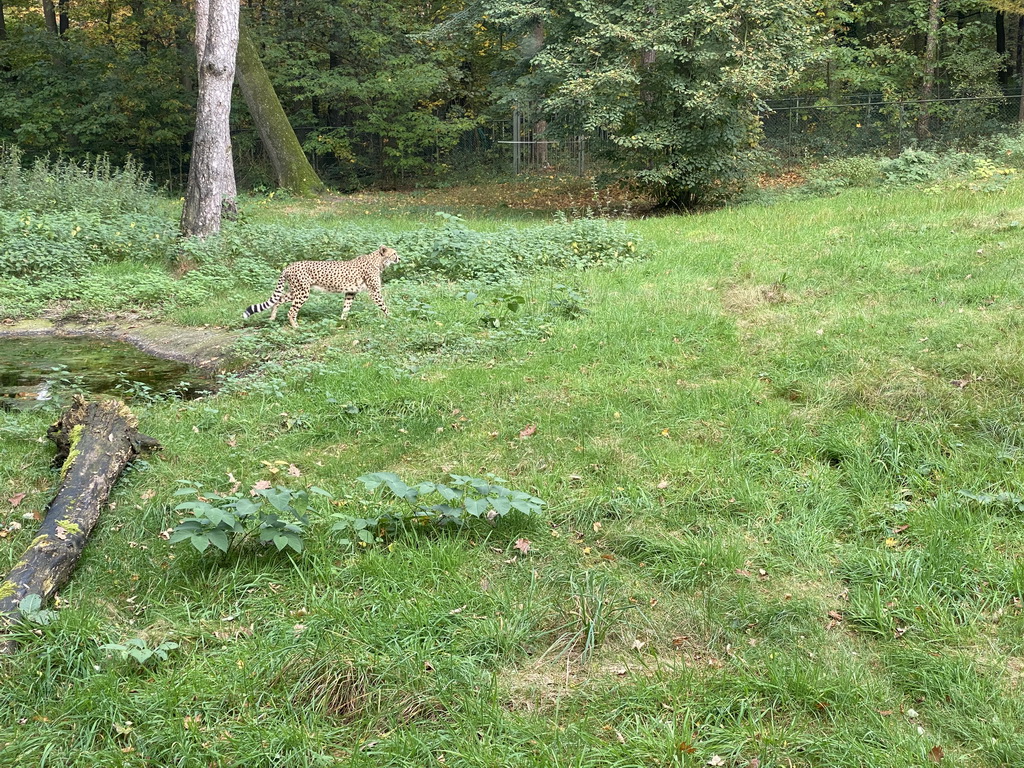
[
  {"x": 917, "y": 166},
  {"x": 856, "y": 171},
  {"x": 61, "y": 243},
  {"x": 218, "y": 518},
  {"x": 1008, "y": 150},
  {"x": 432, "y": 504},
  {"x": 61, "y": 184},
  {"x": 137, "y": 649}
]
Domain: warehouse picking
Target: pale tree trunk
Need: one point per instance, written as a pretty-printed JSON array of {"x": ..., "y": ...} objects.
[
  {"x": 931, "y": 49},
  {"x": 291, "y": 167},
  {"x": 211, "y": 178}
]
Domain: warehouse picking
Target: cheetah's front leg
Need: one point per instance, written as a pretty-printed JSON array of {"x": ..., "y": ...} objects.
[{"x": 378, "y": 298}]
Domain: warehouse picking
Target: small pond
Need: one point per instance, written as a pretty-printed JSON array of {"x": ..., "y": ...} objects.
[{"x": 35, "y": 369}]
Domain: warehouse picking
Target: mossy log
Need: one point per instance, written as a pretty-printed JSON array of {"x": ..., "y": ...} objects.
[{"x": 95, "y": 441}]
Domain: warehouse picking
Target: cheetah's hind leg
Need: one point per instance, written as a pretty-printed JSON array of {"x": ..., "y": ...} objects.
[{"x": 284, "y": 300}]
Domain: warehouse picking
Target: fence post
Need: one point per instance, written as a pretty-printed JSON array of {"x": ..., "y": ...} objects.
[{"x": 516, "y": 132}]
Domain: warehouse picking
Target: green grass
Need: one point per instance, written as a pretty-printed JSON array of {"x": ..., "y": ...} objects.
[{"x": 752, "y": 446}]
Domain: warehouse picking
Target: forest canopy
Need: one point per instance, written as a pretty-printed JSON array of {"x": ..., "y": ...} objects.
[{"x": 671, "y": 95}]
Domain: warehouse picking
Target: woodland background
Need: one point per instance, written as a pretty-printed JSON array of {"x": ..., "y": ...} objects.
[{"x": 396, "y": 93}]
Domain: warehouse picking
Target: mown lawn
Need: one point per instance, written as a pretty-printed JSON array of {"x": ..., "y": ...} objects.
[{"x": 757, "y": 549}]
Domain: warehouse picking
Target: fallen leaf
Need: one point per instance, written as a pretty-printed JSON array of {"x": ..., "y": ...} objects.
[
  {"x": 936, "y": 753},
  {"x": 16, "y": 499},
  {"x": 663, "y": 485},
  {"x": 294, "y": 471},
  {"x": 754, "y": 763},
  {"x": 523, "y": 545},
  {"x": 527, "y": 431},
  {"x": 638, "y": 644},
  {"x": 900, "y": 528},
  {"x": 147, "y": 494},
  {"x": 262, "y": 485},
  {"x": 686, "y": 747},
  {"x": 716, "y": 760}
]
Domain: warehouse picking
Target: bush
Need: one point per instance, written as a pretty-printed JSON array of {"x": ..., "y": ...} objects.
[
  {"x": 61, "y": 184},
  {"x": 451, "y": 251},
  {"x": 47, "y": 245},
  {"x": 841, "y": 172},
  {"x": 917, "y": 166}
]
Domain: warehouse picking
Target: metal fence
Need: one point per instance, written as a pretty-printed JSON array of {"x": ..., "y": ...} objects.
[{"x": 866, "y": 122}]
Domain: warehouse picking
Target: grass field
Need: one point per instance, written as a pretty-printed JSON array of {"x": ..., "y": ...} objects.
[{"x": 757, "y": 549}]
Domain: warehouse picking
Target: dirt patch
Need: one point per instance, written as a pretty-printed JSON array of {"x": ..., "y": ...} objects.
[{"x": 208, "y": 349}]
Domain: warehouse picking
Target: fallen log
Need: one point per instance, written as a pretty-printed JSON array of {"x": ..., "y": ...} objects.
[{"x": 95, "y": 441}]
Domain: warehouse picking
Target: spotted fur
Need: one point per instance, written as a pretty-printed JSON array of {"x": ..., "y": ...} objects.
[{"x": 348, "y": 277}]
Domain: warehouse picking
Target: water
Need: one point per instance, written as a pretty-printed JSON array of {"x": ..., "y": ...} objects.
[{"x": 40, "y": 368}]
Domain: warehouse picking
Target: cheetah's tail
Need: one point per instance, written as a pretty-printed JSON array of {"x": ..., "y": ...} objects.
[{"x": 258, "y": 307}]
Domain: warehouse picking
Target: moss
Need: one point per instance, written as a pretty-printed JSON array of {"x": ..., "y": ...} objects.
[
  {"x": 73, "y": 453},
  {"x": 6, "y": 589},
  {"x": 70, "y": 526}
]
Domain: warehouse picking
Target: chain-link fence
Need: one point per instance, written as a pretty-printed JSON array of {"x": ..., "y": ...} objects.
[{"x": 869, "y": 122}]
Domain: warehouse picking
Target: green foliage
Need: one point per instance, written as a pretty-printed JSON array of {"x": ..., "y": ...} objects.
[
  {"x": 841, "y": 172},
  {"x": 31, "y": 609},
  {"x": 452, "y": 251},
  {"x": 66, "y": 243},
  {"x": 137, "y": 649},
  {"x": 675, "y": 86},
  {"x": 88, "y": 94},
  {"x": 279, "y": 518},
  {"x": 411, "y": 507},
  {"x": 92, "y": 185}
]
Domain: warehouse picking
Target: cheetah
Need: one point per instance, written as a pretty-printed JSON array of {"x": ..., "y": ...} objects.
[{"x": 348, "y": 277}]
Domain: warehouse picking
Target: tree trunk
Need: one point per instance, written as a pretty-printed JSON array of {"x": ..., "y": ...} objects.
[
  {"x": 3, "y": 24},
  {"x": 95, "y": 441},
  {"x": 291, "y": 166},
  {"x": 1004, "y": 69},
  {"x": 62, "y": 17},
  {"x": 931, "y": 48},
  {"x": 50, "y": 17},
  {"x": 211, "y": 178}
]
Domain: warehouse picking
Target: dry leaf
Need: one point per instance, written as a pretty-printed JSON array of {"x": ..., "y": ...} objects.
[
  {"x": 663, "y": 485},
  {"x": 716, "y": 760},
  {"x": 294, "y": 471},
  {"x": 262, "y": 485},
  {"x": 523, "y": 545},
  {"x": 686, "y": 747},
  {"x": 527, "y": 431},
  {"x": 16, "y": 499},
  {"x": 936, "y": 753}
]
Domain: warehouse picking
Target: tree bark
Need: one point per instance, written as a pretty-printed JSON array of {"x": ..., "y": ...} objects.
[
  {"x": 50, "y": 17},
  {"x": 211, "y": 179},
  {"x": 63, "y": 21},
  {"x": 931, "y": 49},
  {"x": 95, "y": 441},
  {"x": 291, "y": 166},
  {"x": 3, "y": 23}
]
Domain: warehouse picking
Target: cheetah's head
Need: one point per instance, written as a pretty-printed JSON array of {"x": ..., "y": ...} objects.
[{"x": 388, "y": 256}]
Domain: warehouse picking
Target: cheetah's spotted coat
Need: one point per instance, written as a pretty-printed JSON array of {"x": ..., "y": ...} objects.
[{"x": 348, "y": 277}]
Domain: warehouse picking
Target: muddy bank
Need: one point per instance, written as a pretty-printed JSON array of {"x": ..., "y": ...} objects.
[{"x": 201, "y": 347}]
